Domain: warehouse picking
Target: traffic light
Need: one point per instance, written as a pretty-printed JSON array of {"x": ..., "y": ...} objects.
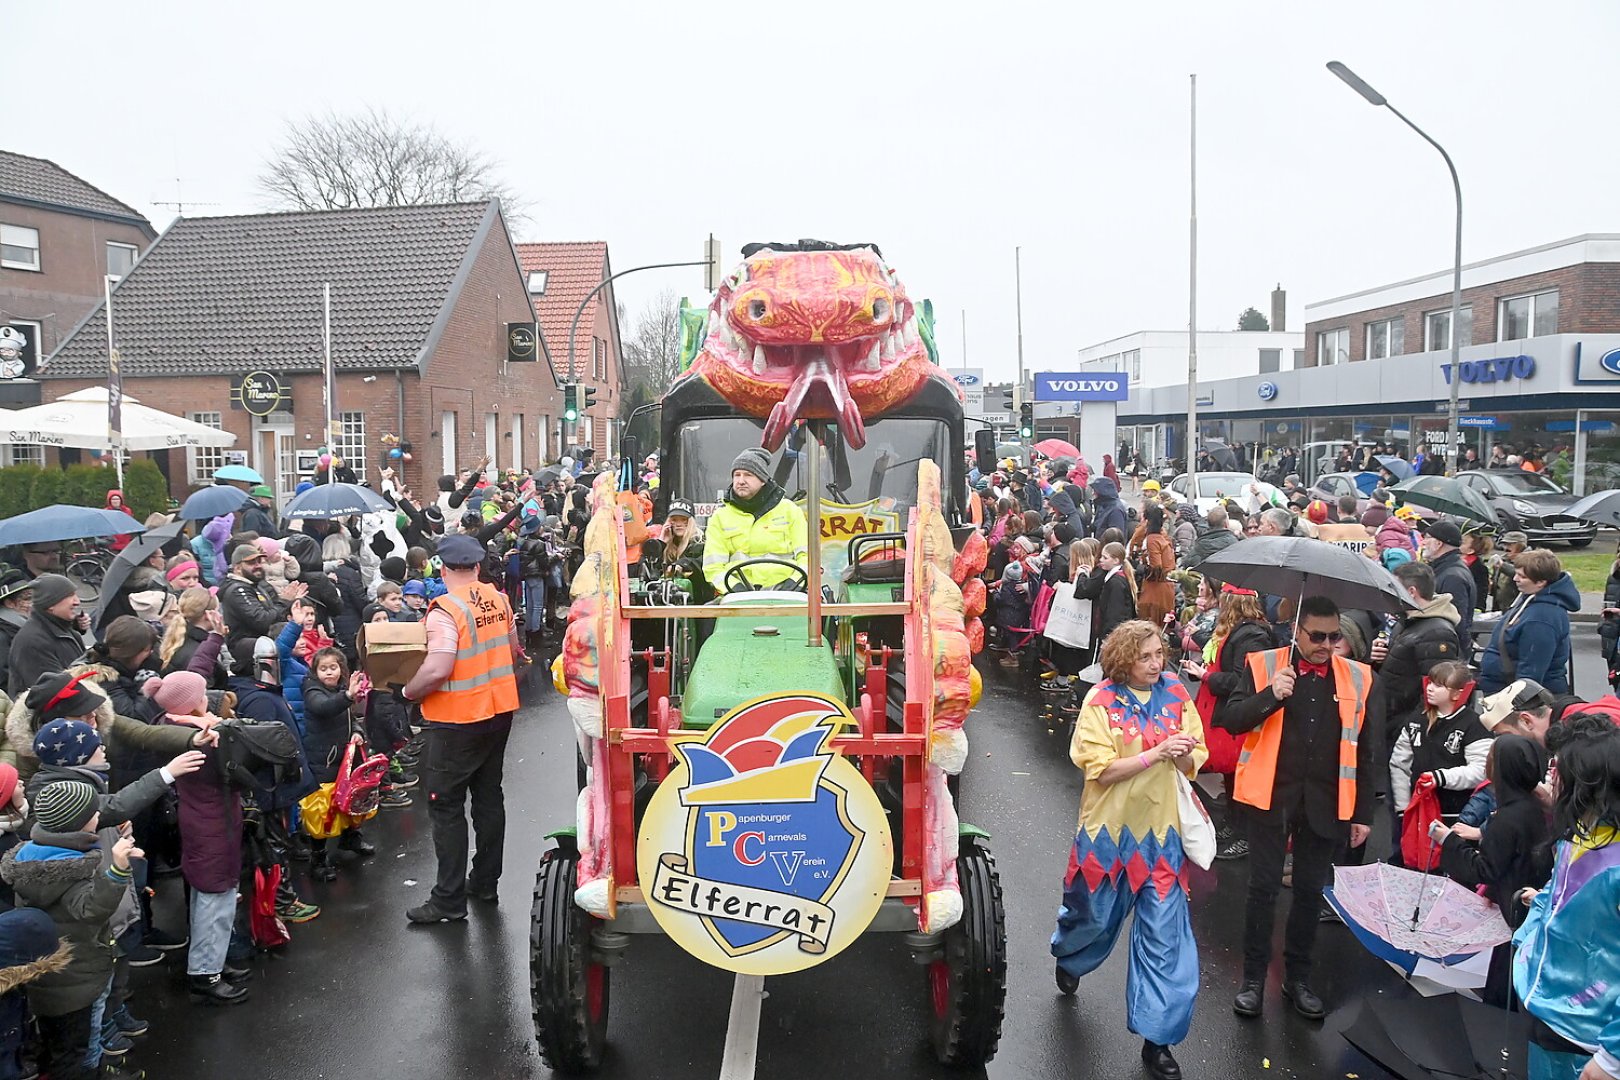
[
  {"x": 587, "y": 397},
  {"x": 570, "y": 402},
  {"x": 1009, "y": 403},
  {"x": 1026, "y": 420}
]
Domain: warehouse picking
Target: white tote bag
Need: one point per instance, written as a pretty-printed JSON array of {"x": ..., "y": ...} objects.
[
  {"x": 1069, "y": 621},
  {"x": 1197, "y": 831}
]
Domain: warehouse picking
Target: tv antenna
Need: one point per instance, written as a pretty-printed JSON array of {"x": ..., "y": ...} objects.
[{"x": 179, "y": 203}]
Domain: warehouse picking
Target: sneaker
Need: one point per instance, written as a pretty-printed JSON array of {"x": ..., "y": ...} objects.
[
  {"x": 109, "y": 1071},
  {"x": 116, "y": 1044},
  {"x": 128, "y": 1023},
  {"x": 1223, "y": 834},
  {"x": 394, "y": 799},
  {"x": 407, "y": 761},
  {"x": 429, "y": 913},
  {"x": 399, "y": 778},
  {"x": 144, "y": 956},
  {"x": 297, "y": 911},
  {"x": 1234, "y": 849},
  {"x": 164, "y": 941}
]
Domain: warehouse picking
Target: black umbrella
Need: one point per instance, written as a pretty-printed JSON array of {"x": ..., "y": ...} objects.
[
  {"x": 1446, "y": 495},
  {"x": 1303, "y": 566},
  {"x": 138, "y": 550},
  {"x": 1444, "y": 1036},
  {"x": 1220, "y": 455},
  {"x": 1602, "y": 507}
]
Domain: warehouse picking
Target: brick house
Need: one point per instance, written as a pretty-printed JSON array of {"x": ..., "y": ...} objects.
[
  {"x": 59, "y": 239},
  {"x": 223, "y": 308},
  {"x": 1568, "y": 287},
  {"x": 558, "y": 276}
]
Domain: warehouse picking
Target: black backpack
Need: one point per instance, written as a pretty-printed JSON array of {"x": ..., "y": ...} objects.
[{"x": 249, "y": 750}]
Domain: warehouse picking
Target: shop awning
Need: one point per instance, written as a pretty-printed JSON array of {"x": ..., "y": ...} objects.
[{"x": 79, "y": 419}]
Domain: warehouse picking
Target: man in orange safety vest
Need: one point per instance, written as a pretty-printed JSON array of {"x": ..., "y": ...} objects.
[{"x": 1304, "y": 775}]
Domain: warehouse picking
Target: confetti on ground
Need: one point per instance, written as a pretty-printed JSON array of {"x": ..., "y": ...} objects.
[
  {"x": 410, "y": 883},
  {"x": 1020, "y": 774},
  {"x": 1265, "y": 1063}
]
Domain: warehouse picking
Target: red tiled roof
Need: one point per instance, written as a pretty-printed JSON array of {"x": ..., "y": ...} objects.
[{"x": 572, "y": 270}]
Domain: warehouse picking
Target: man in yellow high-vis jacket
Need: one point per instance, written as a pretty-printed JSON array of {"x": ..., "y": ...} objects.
[{"x": 757, "y": 520}]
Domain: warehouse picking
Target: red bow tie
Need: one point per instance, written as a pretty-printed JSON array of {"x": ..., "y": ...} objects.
[{"x": 1321, "y": 671}]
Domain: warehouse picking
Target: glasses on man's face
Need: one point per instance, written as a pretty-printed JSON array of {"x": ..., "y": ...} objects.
[{"x": 1318, "y": 636}]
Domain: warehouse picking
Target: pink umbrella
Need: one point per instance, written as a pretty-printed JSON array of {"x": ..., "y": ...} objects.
[{"x": 1056, "y": 448}]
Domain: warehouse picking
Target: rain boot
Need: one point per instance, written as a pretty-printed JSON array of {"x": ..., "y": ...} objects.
[
  {"x": 354, "y": 840},
  {"x": 321, "y": 867}
]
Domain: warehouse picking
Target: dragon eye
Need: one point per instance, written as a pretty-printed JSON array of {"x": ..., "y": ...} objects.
[
  {"x": 880, "y": 309},
  {"x": 756, "y": 309}
]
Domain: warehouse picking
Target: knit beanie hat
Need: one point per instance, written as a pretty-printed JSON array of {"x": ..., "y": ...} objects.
[
  {"x": 8, "y": 782},
  {"x": 66, "y": 742},
  {"x": 392, "y": 569},
  {"x": 181, "y": 693},
  {"x": 65, "y": 806},
  {"x": 51, "y": 589},
  {"x": 753, "y": 460}
]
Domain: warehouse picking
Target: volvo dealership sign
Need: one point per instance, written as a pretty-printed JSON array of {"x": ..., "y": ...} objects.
[{"x": 1082, "y": 386}]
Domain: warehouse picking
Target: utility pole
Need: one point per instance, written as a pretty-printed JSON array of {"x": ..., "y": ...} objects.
[
  {"x": 1192, "y": 305},
  {"x": 964, "y": 339},
  {"x": 1018, "y": 299}
]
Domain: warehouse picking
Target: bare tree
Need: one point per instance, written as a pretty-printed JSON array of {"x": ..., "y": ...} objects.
[
  {"x": 653, "y": 351},
  {"x": 338, "y": 162}
]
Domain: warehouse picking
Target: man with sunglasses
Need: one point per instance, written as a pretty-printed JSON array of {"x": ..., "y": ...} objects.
[{"x": 1306, "y": 775}]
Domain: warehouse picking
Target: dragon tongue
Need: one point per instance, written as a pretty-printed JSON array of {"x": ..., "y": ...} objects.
[{"x": 819, "y": 389}]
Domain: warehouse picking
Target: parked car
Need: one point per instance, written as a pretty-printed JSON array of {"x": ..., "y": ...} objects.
[
  {"x": 1359, "y": 484},
  {"x": 1532, "y": 503},
  {"x": 1217, "y": 487}
]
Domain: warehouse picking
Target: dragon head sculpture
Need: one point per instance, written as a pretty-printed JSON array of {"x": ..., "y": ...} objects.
[{"x": 813, "y": 330}]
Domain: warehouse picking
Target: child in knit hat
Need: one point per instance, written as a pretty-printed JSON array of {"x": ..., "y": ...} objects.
[
  {"x": 210, "y": 845},
  {"x": 65, "y": 871},
  {"x": 72, "y": 751}
]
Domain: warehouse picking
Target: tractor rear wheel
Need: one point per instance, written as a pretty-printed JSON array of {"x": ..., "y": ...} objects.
[
  {"x": 967, "y": 987},
  {"x": 568, "y": 990}
]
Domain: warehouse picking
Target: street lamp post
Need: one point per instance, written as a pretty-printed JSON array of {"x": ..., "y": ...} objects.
[
  {"x": 573, "y": 327},
  {"x": 1373, "y": 97}
]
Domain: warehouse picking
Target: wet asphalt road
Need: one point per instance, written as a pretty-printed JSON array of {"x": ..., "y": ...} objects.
[{"x": 358, "y": 994}]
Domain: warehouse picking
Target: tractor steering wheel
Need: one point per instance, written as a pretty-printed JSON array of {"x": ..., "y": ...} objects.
[{"x": 799, "y": 581}]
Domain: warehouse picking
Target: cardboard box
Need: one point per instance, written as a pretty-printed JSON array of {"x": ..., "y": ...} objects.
[{"x": 392, "y": 652}]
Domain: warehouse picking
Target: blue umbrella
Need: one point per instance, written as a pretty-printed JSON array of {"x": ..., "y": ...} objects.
[
  {"x": 66, "y": 523},
  {"x": 239, "y": 473},
  {"x": 1400, "y": 468},
  {"x": 211, "y": 502},
  {"x": 336, "y": 501}
]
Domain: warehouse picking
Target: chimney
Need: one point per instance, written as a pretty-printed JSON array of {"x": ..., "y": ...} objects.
[{"x": 1279, "y": 309}]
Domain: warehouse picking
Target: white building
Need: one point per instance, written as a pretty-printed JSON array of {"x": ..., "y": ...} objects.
[{"x": 1155, "y": 358}]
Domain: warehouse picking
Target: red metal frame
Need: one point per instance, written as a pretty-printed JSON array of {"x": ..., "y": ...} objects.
[{"x": 872, "y": 743}]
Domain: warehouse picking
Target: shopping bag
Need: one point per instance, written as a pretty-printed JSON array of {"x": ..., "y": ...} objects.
[
  {"x": 1418, "y": 852},
  {"x": 1197, "y": 831},
  {"x": 1041, "y": 609},
  {"x": 1069, "y": 620}
]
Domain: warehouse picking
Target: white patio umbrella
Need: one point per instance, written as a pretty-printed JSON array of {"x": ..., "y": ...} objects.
[{"x": 80, "y": 419}]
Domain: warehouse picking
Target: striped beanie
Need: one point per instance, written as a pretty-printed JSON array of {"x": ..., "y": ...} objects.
[{"x": 65, "y": 806}]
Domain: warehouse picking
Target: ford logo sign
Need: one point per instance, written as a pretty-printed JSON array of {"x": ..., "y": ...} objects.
[
  {"x": 1267, "y": 390},
  {"x": 963, "y": 378},
  {"x": 1610, "y": 361}
]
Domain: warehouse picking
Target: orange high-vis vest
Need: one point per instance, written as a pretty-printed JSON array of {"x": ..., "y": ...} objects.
[
  {"x": 1257, "y": 761},
  {"x": 482, "y": 683}
]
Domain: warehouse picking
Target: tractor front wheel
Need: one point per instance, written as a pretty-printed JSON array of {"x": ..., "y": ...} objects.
[
  {"x": 568, "y": 990},
  {"x": 967, "y": 987}
]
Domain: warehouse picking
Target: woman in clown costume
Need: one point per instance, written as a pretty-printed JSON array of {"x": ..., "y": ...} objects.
[
  {"x": 1566, "y": 967},
  {"x": 1136, "y": 729}
]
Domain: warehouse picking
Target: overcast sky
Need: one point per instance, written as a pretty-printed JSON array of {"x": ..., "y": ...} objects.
[{"x": 946, "y": 139}]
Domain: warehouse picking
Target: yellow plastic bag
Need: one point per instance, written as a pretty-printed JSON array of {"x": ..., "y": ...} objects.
[{"x": 320, "y": 819}]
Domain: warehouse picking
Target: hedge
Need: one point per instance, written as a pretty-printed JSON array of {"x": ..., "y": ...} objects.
[{"x": 29, "y": 487}]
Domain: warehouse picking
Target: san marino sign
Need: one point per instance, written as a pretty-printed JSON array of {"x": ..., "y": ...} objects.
[{"x": 765, "y": 851}]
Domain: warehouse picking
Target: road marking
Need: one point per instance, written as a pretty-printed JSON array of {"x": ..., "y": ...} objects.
[{"x": 742, "y": 1028}]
